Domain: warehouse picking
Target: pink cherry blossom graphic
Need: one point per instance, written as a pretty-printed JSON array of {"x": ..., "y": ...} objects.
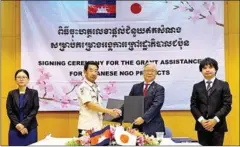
[
  {"x": 65, "y": 101},
  {"x": 195, "y": 18},
  {"x": 49, "y": 88},
  {"x": 47, "y": 75},
  {"x": 198, "y": 14},
  {"x": 206, "y": 5},
  {"x": 41, "y": 70},
  {"x": 192, "y": 3},
  {"x": 109, "y": 89},
  {"x": 105, "y": 96},
  {"x": 55, "y": 98},
  {"x": 65, "y": 89},
  {"x": 211, "y": 19},
  {"x": 43, "y": 83},
  {"x": 41, "y": 78},
  {"x": 182, "y": 7},
  {"x": 48, "y": 93},
  {"x": 213, "y": 7},
  {"x": 75, "y": 83}
]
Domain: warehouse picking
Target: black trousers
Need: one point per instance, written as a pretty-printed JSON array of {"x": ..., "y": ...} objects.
[{"x": 214, "y": 138}]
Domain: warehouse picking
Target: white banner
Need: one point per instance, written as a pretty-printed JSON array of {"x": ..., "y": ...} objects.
[{"x": 58, "y": 38}]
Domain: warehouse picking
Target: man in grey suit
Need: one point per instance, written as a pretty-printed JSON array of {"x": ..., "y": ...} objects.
[{"x": 152, "y": 121}]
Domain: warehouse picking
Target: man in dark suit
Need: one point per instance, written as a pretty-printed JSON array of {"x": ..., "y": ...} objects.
[
  {"x": 152, "y": 121},
  {"x": 210, "y": 103}
]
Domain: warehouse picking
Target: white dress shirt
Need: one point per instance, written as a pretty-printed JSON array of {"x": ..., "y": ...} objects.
[{"x": 146, "y": 85}]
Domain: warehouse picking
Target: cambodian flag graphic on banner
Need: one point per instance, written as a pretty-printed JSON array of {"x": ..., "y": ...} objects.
[{"x": 101, "y": 8}]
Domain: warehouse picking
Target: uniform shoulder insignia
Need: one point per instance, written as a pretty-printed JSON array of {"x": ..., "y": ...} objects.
[{"x": 82, "y": 90}]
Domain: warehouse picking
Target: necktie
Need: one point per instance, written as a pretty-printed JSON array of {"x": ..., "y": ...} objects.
[
  {"x": 145, "y": 90},
  {"x": 209, "y": 87}
]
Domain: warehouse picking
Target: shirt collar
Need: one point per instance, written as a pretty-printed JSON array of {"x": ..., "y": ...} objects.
[
  {"x": 212, "y": 80},
  {"x": 148, "y": 83},
  {"x": 90, "y": 83}
]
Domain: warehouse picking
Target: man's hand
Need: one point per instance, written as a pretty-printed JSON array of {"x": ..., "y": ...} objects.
[
  {"x": 210, "y": 124},
  {"x": 24, "y": 131},
  {"x": 113, "y": 113},
  {"x": 118, "y": 111},
  {"x": 19, "y": 127},
  {"x": 210, "y": 130},
  {"x": 139, "y": 121},
  {"x": 204, "y": 123}
]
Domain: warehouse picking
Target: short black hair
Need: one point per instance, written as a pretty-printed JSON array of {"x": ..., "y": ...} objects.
[
  {"x": 208, "y": 61},
  {"x": 22, "y": 70},
  {"x": 90, "y": 63}
]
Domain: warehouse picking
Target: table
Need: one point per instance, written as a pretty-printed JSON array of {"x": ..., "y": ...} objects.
[{"x": 61, "y": 141}]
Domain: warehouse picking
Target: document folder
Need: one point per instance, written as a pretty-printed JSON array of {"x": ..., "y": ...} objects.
[{"x": 133, "y": 108}]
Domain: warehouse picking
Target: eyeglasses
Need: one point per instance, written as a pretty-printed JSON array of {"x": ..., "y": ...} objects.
[{"x": 22, "y": 78}]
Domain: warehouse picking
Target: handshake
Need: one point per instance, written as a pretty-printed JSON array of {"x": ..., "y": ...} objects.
[{"x": 114, "y": 112}]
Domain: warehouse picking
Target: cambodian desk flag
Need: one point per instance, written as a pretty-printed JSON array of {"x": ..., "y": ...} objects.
[
  {"x": 102, "y": 137},
  {"x": 101, "y": 8}
]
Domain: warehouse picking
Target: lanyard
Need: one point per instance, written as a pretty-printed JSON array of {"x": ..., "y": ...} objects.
[{"x": 93, "y": 90}]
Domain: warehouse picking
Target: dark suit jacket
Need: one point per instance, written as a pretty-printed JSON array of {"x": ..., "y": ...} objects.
[
  {"x": 153, "y": 121},
  {"x": 31, "y": 105},
  {"x": 218, "y": 103}
]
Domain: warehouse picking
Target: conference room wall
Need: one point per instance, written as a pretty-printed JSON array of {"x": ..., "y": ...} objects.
[{"x": 64, "y": 124}]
